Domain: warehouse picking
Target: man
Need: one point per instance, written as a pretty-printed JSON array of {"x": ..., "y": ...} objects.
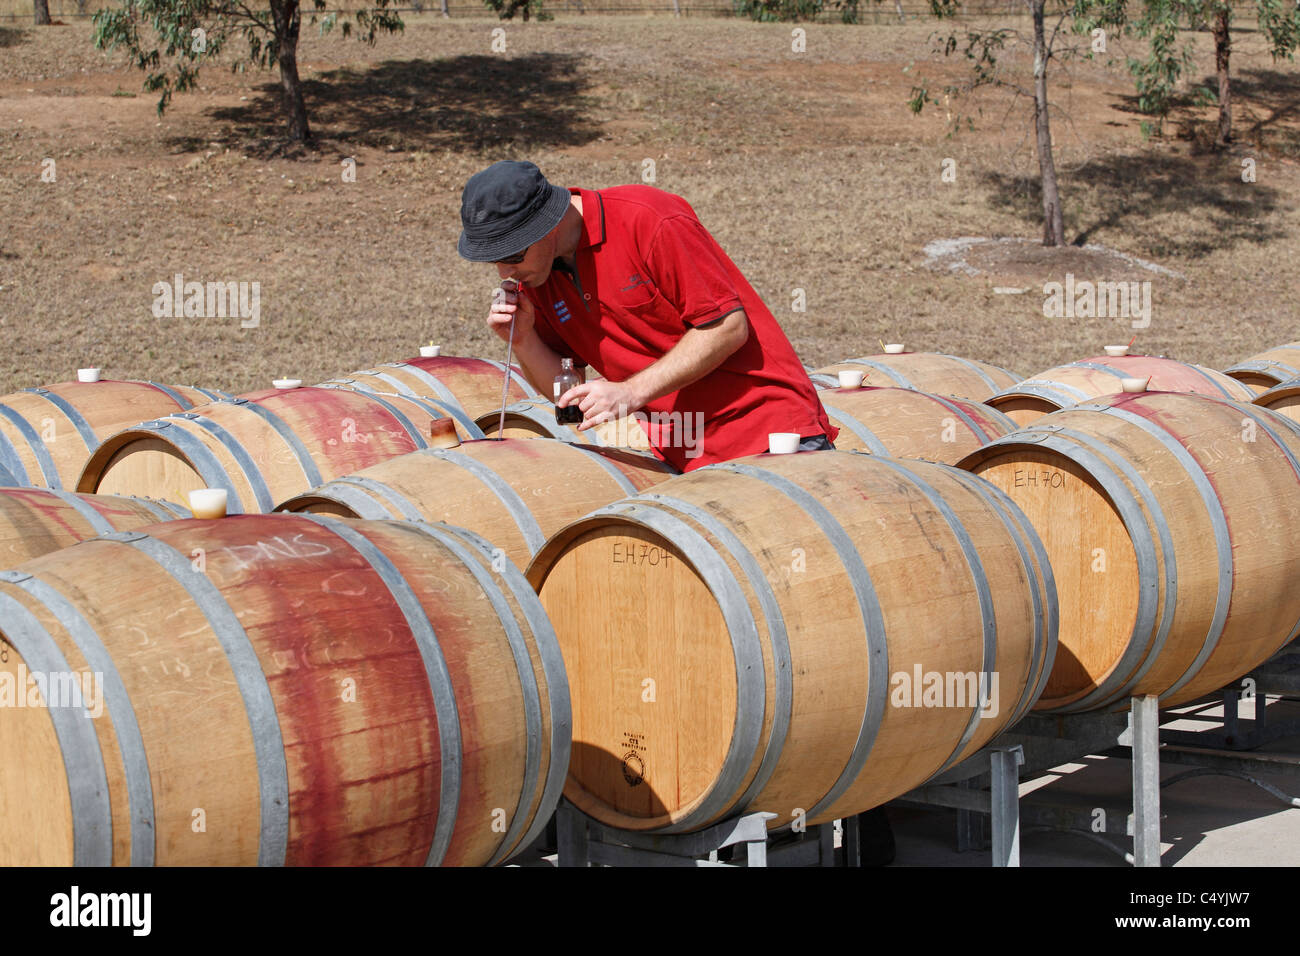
[{"x": 628, "y": 281}]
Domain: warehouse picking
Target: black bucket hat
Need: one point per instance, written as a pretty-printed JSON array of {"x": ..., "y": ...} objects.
[{"x": 505, "y": 209}]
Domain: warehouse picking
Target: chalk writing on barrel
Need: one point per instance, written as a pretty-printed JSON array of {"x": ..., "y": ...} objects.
[
  {"x": 247, "y": 555},
  {"x": 1043, "y": 478},
  {"x": 642, "y": 553}
]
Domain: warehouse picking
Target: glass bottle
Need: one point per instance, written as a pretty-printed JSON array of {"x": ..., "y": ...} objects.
[{"x": 567, "y": 379}]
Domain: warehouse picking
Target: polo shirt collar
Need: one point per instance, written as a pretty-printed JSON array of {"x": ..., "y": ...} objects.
[{"x": 593, "y": 216}]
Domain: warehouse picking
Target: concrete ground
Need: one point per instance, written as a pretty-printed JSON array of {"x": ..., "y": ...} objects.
[{"x": 1206, "y": 820}]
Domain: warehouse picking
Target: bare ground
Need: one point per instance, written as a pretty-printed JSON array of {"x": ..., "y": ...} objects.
[{"x": 808, "y": 167}]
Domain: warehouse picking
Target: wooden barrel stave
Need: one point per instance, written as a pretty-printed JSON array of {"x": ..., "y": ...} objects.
[
  {"x": 1038, "y": 568},
  {"x": 36, "y": 521},
  {"x": 514, "y": 600},
  {"x": 535, "y": 418},
  {"x": 980, "y": 519},
  {"x": 473, "y": 384},
  {"x": 1082, "y": 381},
  {"x": 435, "y": 407},
  {"x": 934, "y": 372},
  {"x": 906, "y": 423}
]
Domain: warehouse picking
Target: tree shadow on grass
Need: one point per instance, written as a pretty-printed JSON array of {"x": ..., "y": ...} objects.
[
  {"x": 1130, "y": 192},
  {"x": 1265, "y": 112},
  {"x": 12, "y": 37},
  {"x": 462, "y": 104}
]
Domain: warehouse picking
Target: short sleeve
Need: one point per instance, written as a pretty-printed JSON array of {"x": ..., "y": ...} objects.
[{"x": 685, "y": 265}]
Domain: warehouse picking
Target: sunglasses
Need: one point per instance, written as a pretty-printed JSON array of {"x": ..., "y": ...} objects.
[{"x": 515, "y": 260}]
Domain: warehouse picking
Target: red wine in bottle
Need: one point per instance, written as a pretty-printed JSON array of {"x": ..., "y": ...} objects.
[{"x": 567, "y": 379}]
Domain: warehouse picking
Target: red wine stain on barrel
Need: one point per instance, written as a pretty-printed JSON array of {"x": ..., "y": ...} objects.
[
  {"x": 364, "y": 776},
  {"x": 454, "y": 612},
  {"x": 54, "y": 509},
  {"x": 345, "y": 430},
  {"x": 440, "y": 365}
]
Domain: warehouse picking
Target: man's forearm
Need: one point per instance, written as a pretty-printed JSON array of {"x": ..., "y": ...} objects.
[{"x": 696, "y": 354}]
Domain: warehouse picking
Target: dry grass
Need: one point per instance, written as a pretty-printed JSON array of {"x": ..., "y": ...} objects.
[{"x": 808, "y": 168}]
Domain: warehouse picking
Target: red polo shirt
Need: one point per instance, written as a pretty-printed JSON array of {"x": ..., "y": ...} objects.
[{"x": 647, "y": 271}]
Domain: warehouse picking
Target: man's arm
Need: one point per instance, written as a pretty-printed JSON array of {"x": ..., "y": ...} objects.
[
  {"x": 696, "y": 354},
  {"x": 683, "y": 262}
]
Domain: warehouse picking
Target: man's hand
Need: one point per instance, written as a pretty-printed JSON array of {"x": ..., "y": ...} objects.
[
  {"x": 539, "y": 362},
  {"x": 507, "y": 305},
  {"x": 699, "y": 352},
  {"x": 602, "y": 401}
]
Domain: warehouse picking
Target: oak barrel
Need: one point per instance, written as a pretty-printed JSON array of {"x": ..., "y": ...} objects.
[
  {"x": 748, "y": 637},
  {"x": 515, "y": 493},
  {"x": 1273, "y": 367},
  {"x": 535, "y": 418},
  {"x": 47, "y": 434},
  {"x": 933, "y": 372},
  {"x": 36, "y": 521},
  {"x": 279, "y": 690},
  {"x": 266, "y": 446},
  {"x": 473, "y": 384},
  {"x": 910, "y": 424},
  {"x": 1083, "y": 381},
  {"x": 1171, "y": 521}
]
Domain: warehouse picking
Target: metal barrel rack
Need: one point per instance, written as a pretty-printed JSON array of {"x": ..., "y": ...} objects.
[
  {"x": 583, "y": 841},
  {"x": 1228, "y": 751},
  {"x": 1135, "y": 734},
  {"x": 984, "y": 785}
]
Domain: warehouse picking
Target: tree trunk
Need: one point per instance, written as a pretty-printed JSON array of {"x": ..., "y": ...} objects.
[
  {"x": 898, "y": 5},
  {"x": 1053, "y": 221},
  {"x": 287, "y": 23},
  {"x": 1222, "y": 50},
  {"x": 42, "y": 12},
  {"x": 445, "y": 11}
]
